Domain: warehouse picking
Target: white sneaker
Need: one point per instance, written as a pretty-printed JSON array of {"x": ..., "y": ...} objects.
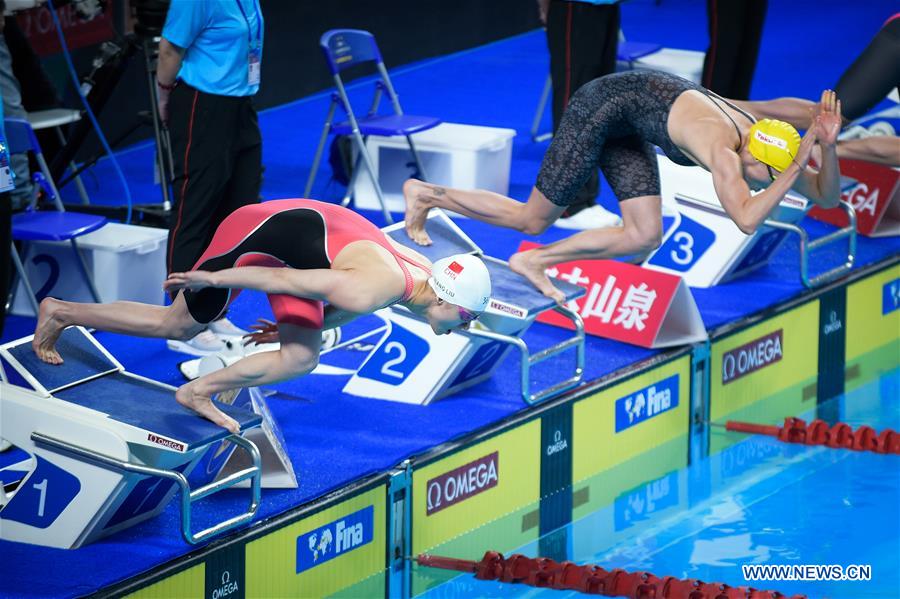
[
  {"x": 203, "y": 344},
  {"x": 225, "y": 328},
  {"x": 881, "y": 128},
  {"x": 854, "y": 132},
  {"x": 330, "y": 338},
  {"x": 595, "y": 217}
]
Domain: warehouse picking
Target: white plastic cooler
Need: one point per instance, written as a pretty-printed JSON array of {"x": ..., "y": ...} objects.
[
  {"x": 455, "y": 155},
  {"x": 127, "y": 262}
]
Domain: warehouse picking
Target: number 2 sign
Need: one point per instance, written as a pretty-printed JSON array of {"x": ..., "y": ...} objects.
[{"x": 394, "y": 360}]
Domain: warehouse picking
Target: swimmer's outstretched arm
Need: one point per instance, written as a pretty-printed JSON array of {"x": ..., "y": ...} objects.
[
  {"x": 880, "y": 149},
  {"x": 796, "y": 111},
  {"x": 347, "y": 289}
]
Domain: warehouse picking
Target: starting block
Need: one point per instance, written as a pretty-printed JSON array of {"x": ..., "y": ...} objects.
[
  {"x": 411, "y": 365},
  {"x": 706, "y": 248},
  {"x": 102, "y": 449}
]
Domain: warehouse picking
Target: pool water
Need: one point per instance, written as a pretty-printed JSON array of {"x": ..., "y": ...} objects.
[{"x": 758, "y": 501}]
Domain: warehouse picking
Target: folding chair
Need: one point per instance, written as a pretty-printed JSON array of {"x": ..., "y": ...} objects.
[
  {"x": 51, "y": 225},
  {"x": 348, "y": 47}
]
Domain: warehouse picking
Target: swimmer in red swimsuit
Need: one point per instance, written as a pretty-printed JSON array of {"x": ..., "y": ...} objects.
[{"x": 302, "y": 253}]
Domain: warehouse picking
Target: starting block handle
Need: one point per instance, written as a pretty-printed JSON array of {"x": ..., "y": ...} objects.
[
  {"x": 188, "y": 497},
  {"x": 807, "y": 247},
  {"x": 576, "y": 342}
]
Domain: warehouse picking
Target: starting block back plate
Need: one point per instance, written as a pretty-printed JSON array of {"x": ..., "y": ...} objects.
[
  {"x": 447, "y": 238},
  {"x": 84, "y": 360},
  {"x": 152, "y": 407},
  {"x": 510, "y": 291}
]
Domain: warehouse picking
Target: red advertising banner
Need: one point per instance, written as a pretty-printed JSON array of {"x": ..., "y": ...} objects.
[
  {"x": 37, "y": 25},
  {"x": 875, "y": 198},
  {"x": 628, "y": 303}
]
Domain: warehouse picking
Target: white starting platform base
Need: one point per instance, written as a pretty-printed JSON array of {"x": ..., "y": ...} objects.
[
  {"x": 221, "y": 461},
  {"x": 705, "y": 247},
  {"x": 411, "y": 364},
  {"x": 103, "y": 449},
  {"x": 452, "y": 154}
]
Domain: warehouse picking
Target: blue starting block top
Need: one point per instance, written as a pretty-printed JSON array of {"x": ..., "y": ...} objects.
[
  {"x": 152, "y": 407},
  {"x": 447, "y": 239},
  {"x": 83, "y": 359},
  {"x": 90, "y": 378},
  {"x": 510, "y": 287}
]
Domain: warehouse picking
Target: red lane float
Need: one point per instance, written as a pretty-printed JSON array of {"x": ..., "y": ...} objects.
[
  {"x": 819, "y": 432},
  {"x": 592, "y": 580}
]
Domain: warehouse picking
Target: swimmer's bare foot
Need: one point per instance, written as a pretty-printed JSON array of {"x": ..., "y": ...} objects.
[
  {"x": 203, "y": 405},
  {"x": 415, "y": 193},
  {"x": 48, "y": 329},
  {"x": 524, "y": 263}
]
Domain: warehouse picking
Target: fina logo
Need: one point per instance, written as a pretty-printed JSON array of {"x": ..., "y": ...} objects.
[
  {"x": 559, "y": 444},
  {"x": 227, "y": 587},
  {"x": 335, "y": 539},
  {"x": 833, "y": 325},
  {"x": 646, "y": 403}
]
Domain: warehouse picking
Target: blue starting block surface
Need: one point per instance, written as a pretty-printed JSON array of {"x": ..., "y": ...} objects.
[
  {"x": 83, "y": 359},
  {"x": 152, "y": 407},
  {"x": 510, "y": 287},
  {"x": 506, "y": 286},
  {"x": 447, "y": 238}
]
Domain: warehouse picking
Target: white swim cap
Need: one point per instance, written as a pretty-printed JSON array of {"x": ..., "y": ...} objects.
[{"x": 462, "y": 280}]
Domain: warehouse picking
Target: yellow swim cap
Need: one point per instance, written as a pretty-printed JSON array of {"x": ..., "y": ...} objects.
[{"x": 774, "y": 143}]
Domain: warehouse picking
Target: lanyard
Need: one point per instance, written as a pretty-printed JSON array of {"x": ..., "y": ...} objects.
[{"x": 258, "y": 23}]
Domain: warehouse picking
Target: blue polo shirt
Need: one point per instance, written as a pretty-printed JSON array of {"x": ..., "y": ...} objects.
[{"x": 217, "y": 36}]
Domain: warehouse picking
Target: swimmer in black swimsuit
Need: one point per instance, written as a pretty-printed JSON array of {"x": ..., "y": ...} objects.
[{"x": 613, "y": 123}]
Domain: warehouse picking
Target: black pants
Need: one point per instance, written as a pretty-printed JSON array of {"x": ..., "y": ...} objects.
[
  {"x": 5, "y": 255},
  {"x": 583, "y": 40},
  {"x": 735, "y": 30},
  {"x": 217, "y": 150},
  {"x": 873, "y": 74}
]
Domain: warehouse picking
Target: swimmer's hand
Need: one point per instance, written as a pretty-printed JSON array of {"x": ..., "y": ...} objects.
[
  {"x": 826, "y": 118},
  {"x": 193, "y": 280},
  {"x": 264, "y": 331},
  {"x": 804, "y": 152}
]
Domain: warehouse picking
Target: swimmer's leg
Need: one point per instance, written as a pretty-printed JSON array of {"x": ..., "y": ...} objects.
[{"x": 130, "y": 318}]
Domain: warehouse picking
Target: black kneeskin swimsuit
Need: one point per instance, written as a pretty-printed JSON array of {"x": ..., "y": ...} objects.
[{"x": 614, "y": 122}]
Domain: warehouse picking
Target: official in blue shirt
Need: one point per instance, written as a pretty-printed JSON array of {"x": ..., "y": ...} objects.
[{"x": 208, "y": 71}]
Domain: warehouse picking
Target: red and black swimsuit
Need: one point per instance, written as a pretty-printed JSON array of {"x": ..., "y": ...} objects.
[{"x": 301, "y": 234}]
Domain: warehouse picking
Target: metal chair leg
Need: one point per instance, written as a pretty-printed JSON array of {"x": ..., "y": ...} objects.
[
  {"x": 351, "y": 185},
  {"x": 20, "y": 269},
  {"x": 539, "y": 113},
  {"x": 417, "y": 158},
  {"x": 318, "y": 157},
  {"x": 85, "y": 272}
]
